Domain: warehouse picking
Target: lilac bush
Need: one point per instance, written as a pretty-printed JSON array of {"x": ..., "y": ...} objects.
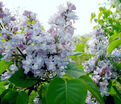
[{"x": 36, "y": 60}]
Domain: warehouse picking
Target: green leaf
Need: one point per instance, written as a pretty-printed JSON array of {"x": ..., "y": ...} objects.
[
  {"x": 0, "y": 56},
  {"x": 32, "y": 97},
  {"x": 4, "y": 65},
  {"x": 115, "y": 36},
  {"x": 42, "y": 94},
  {"x": 74, "y": 71},
  {"x": 33, "y": 22},
  {"x": 77, "y": 53},
  {"x": 113, "y": 91},
  {"x": 101, "y": 8},
  {"x": 115, "y": 42},
  {"x": 79, "y": 59},
  {"x": 9, "y": 97},
  {"x": 101, "y": 21},
  {"x": 29, "y": 22},
  {"x": 113, "y": 45},
  {"x": 92, "y": 87},
  {"x": 66, "y": 92},
  {"x": 2, "y": 86},
  {"x": 96, "y": 20},
  {"x": 117, "y": 65},
  {"x": 99, "y": 15},
  {"x": 80, "y": 47},
  {"x": 93, "y": 15},
  {"x": 22, "y": 80},
  {"x": 117, "y": 100},
  {"x": 22, "y": 98},
  {"x": 42, "y": 28}
]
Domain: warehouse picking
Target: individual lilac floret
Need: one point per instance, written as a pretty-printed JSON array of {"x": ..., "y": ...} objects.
[
  {"x": 12, "y": 18},
  {"x": 36, "y": 100},
  {"x": 27, "y": 13},
  {"x": 71, "y": 6}
]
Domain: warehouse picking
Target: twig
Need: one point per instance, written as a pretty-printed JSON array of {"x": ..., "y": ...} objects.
[{"x": 21, "y": 52}]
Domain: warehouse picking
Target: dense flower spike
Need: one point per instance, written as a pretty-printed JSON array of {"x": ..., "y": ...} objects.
[
  {"x": 45, "y": 54},
  {"x": 100, "y": 67}
]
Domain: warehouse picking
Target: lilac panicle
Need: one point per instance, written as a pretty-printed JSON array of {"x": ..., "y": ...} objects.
[{"x": 44, "y": 53}]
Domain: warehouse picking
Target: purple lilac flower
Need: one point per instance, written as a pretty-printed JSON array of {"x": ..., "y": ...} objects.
[
  {"x": 45, "y": 54},
  {"x": 1, "y": 4},
  {"x": 71, "y": 6},
  {"x": 100, "y": 67},
  {"x": 27, "y": 13},
  {"x": 13, "y": 18}
]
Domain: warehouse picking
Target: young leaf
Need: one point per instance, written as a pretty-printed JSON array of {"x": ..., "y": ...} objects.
[
  {"x": 4, "y": 65},
  {"x": 22, "y": 80},
  {"x": 114, "y": 37},
  {"x": 93, "y": 15},
  {"x": 22, "y": 98},
  {"x": 2, "y": 86},
  {"x": 66, "y": 92},
  {"x": 32, "y": 97},
  {"x": 80, "y": 47},
  {"x": 33, "y": 22},
  {"x": 91, "y": 86},
  {"x": 74, "y": 71}
]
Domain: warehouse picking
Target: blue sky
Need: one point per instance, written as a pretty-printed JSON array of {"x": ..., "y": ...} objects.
[{"x": 46, "y": 8}]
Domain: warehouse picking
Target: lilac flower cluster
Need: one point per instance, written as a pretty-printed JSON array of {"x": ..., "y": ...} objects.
[
  {"x": 98, "y": 42},
  {"x": 100, "y": 67},
  {"x": 7, "y": 25},
  {"x": 44, "y": 53}
]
